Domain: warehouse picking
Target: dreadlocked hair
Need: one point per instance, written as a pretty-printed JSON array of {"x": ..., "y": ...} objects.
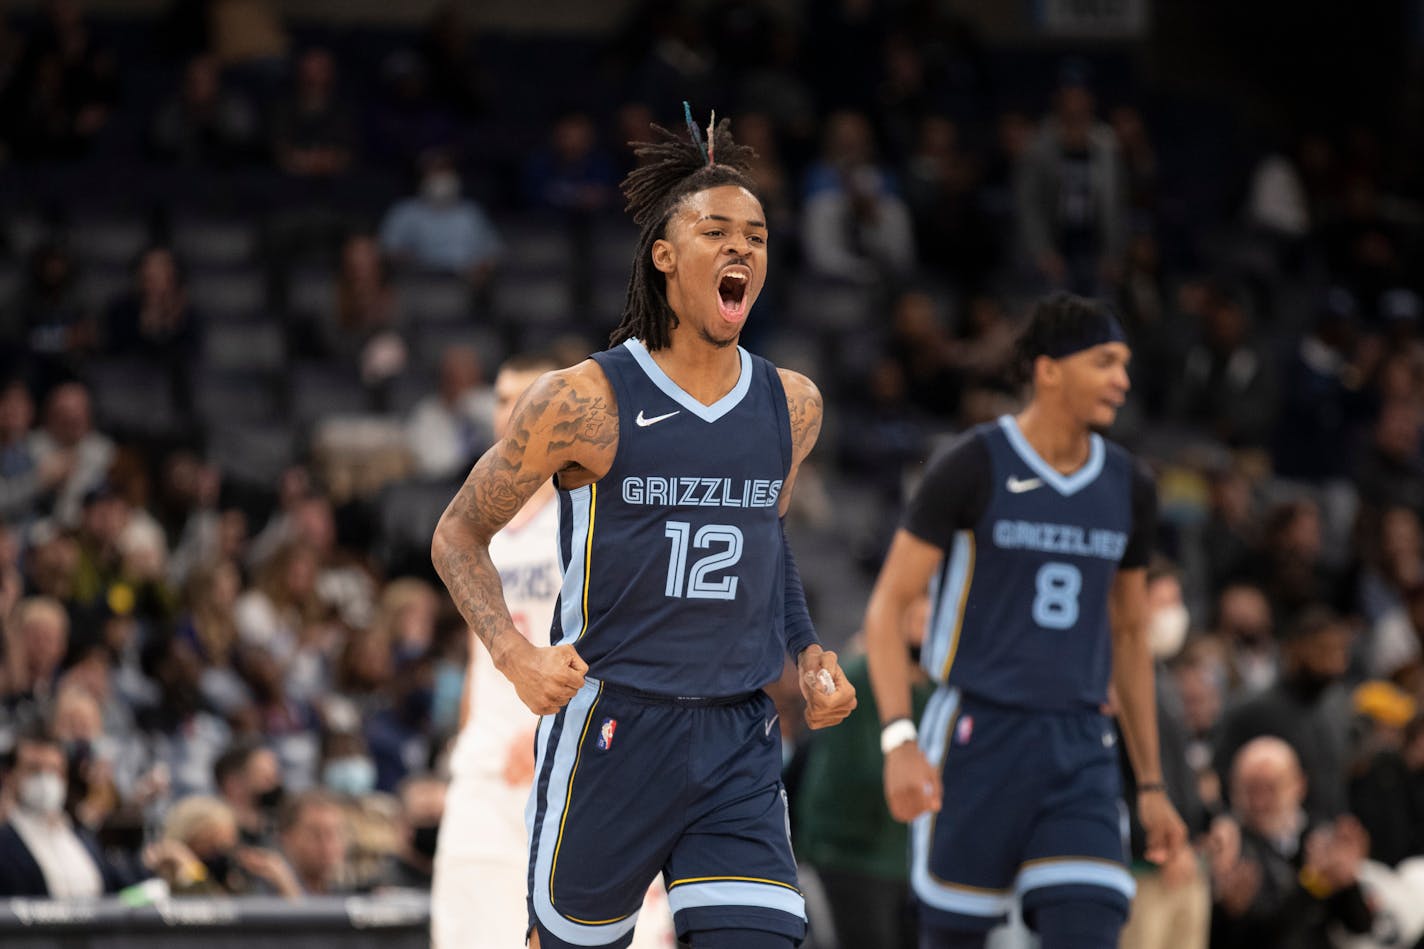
[{"x": 670, "y": 170}]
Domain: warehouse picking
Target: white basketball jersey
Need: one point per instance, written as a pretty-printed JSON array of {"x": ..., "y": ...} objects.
[{"x": 527, "y": 560}]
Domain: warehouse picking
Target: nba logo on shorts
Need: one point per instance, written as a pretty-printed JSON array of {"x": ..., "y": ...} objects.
[
  {"x": 605, "y": 733},
  {"x": 964, "y": 730}
]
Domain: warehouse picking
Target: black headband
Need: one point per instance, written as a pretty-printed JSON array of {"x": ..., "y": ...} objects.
[{"x": 1104, "y": 329}]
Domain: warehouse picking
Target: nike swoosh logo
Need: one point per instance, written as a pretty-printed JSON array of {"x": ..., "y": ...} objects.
[
  {"x": 771, "y": 722},
  {"x": 645, "y": 422},
  {"x": 1016, "y": 486}
]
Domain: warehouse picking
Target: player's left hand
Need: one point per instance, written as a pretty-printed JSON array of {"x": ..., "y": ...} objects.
[
  {"x": 824, "y": 706},
  {"x": 1166, "y": 834}
]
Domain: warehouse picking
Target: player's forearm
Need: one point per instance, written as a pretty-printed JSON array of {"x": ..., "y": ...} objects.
[
  {"x": 1133, "y": 681},
  {"x": 887, "y": 656},
  {"x": 464, "y": 564}
]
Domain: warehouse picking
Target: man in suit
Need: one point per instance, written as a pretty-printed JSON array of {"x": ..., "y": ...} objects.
[{"x": 42, "y": 852}]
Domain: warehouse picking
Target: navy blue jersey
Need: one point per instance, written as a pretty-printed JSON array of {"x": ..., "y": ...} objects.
[
  {"x": 673, "y": 567},
  {"x": 1020, "y": 604}
]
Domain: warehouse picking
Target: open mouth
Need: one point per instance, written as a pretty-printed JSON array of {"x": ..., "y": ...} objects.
[{"x": 732, "y": 294}]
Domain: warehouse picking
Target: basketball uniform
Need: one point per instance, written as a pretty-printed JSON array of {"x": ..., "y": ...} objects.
[
  {"x": 1020, "y": 644},
  {"x": 668, "y": 761},
  {"x": 478, "y": 896}
]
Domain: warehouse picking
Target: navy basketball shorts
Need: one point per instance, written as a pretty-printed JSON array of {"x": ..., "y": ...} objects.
[
  {"x": 1032, "y": 806},
  {"x": 629, "y": 786}
]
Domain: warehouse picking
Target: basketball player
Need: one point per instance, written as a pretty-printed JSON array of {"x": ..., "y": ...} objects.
[
  {"x": 478, "y": 893},
  {"x": 1033, "y": 536},
  {"x": 673, "y": 453}
]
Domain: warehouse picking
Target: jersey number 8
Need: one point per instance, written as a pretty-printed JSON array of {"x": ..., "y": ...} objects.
[
  {"x": 1056, "y": 604},
  {"x": 699, "y": 586}
]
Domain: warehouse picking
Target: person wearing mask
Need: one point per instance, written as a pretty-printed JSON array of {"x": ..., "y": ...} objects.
[
  {"x": 42, "y": 852},
  {"x": 437, "y": 231},
  {"x": 1308, "y": 708},
  {"x": 422, "y": 801},
  {"x": 1282, "y": 881},
  {"x": 69, "y": 433},
  {"x": 200, "y": 855}
]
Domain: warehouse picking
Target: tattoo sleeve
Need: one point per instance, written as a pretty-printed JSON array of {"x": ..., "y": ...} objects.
[{"x": 557, "y": 424}]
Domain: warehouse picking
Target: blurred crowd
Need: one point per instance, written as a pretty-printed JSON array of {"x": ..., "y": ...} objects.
[{"x": 237, "y": 393}]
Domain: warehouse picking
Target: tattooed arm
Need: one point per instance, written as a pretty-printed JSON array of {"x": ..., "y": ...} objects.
[
  {"x": 803, "y": 401},
  {"x": 565, "y": 425}
]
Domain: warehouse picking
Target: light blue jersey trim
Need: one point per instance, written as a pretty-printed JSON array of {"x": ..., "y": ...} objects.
[
  {"x": 571, "y": 594},
  {"x": 736, "y": 893},
  {"x": 946, "y": 598},
  {"x": 934, "y": 741},
  {"x": 708, "y": 413},
  {"x": 1077, "y": 873},
  {"x": 565, "y": 756},
  {"x": 1063, "y": 484}
]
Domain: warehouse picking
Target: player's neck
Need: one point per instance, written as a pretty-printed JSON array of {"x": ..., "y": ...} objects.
[
  {"x": 534, "y": 505},
  {"x": 1057, "y": 437},
  {"x": 702, "y": 370}
]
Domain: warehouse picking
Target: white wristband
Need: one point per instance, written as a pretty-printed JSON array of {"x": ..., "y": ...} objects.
[{"x": 895, "y": 734}]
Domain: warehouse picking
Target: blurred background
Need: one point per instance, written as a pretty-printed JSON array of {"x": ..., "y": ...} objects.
[{"x": 260, "y": 260}]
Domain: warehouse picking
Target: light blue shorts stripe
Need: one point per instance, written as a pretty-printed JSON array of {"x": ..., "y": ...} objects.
[{"x": 737, "y": 893}]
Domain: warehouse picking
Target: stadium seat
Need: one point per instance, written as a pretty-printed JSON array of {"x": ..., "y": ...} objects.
[
  {"x": 225, "y": 397},
  {"x": 521, "y": 302},
  {"x": 311, "y": 291},
  {"x": 99, "y": 285},
  {"x": 537, "y": 242},
  {"x": 114, "y": 241},
  {"x": 434, "y": 298},
  {"x": 253, "y": 454},
  {"x": 215, "y": 243},
  {"x": 254, "y": 345},
  {"x": 407, "y": 512},
  {"x": 133, "y": 397},
  {"x": 431, "y": 341},
  {"x": 221, "y": 294},
  {"x": 319, "y": 390}
]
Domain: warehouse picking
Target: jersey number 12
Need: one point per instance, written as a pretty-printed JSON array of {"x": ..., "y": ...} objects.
[{"x": 699, "y": 585}]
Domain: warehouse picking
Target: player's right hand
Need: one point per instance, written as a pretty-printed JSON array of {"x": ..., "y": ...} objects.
[
  {"x": 545, "y": 677},
  {"x": 912, "y": 784}
]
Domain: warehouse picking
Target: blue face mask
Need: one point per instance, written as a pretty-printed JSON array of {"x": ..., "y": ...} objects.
[{"x": 354, "y": 776}]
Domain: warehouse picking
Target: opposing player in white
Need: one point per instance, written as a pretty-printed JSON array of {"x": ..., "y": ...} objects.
[{"x": 481, "y": 862}]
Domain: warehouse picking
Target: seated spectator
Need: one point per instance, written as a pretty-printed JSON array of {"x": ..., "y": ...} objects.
[
  {"x": 571, "y": 174},
  {"x": 204, "y": 124},
  {"x": 42, "y": 852},
  {"x": 409, "y": 120},
  {"x": 314, "y": 839},
  {"x": 1388, "y": 798},
  {"x": 1282, "y": 880},
  {"x": 451, "y": 428},
  {"x": 854, "y": 226},
  {"x": 273, "y": 613},
  {"x": 208, "y": 624},
  {"x": 26, "y": 486},
  {"x": 154, "y": 320},
  {"x": 36, "y": 640},
  {"x": 65, "y": 87},
  {"x": 200, "y": 855},
  {"x": 1227, "y": 387},
  {"x": 248, "y": 778},
  {"x": 92, "y": 755},
  {"x": 55, "y": 325},
  {"x": 1390, "y": 472},
  {"x": 1290, "y": 561},
  {"x": 68, "y": 437},
  {"x": 362, "y": 334},
  {"x": 1308, "y": 708},
  {"x": 422, "y": 806},
  {"x": 437, "y": 231},
  {"x": 178, "y": 729},
  {"x": 314, "y": 132}
]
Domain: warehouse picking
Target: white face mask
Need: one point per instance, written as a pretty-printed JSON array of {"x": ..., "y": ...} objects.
[
  {"x": 43, "y": 793},
  {"x": 441, "y": 187},
  {"x": 1167, "y": 630}
]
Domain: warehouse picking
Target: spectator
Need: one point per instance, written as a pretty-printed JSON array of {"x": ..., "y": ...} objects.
[
  {"x": 926, "y": 354},
  {"x": 1308, "y": 708},
  {"x": 435, "y": 230},
  {"x": 36, "y": 640},
  {"x": 1227, "y": 387},
  {"x": 843, "y": 827},
  {"x": 1281, "y": 879},
  {"x": 42, "y": 853},
  {"x": 1200, "y": 692},
  {"x": 1290, "y": 563},
  {"x": 1072, "y": 218},
  {"x": 411, "y": 120},
  {"x": 451, "y": 53},
  {"x": 314, "y": 840},
  {"x": 854, "y": 227},
  {"x": 1139, "y": 160},
  {"x": 942, "y": 189},
  {"x": 451, "y": 428},
  {"x": 203, "y": 124},
  {"x": 65, "y": 88},
  {"x": 155, "y": 319},
  {"x": 571, "y": 174},
  {"x": 1388, "y": 798},
  {"x": 25, "y": 485},
  {"x": 314, "y": 132},
  {"x": 56, "y": 325},
  {"x": 273, "y": 615},
  {"x": 1230, "y": 534},
  {"x": 200, "y": 855},
  {"x": 422, "y": 801},
  {"x": 68, "y": 438},
  {"x": 209, "y": 626},
  {"x": 1390, "y": 472},
  {"x": 248, "y": 779},
  {"x": 180, "y": 732}
]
